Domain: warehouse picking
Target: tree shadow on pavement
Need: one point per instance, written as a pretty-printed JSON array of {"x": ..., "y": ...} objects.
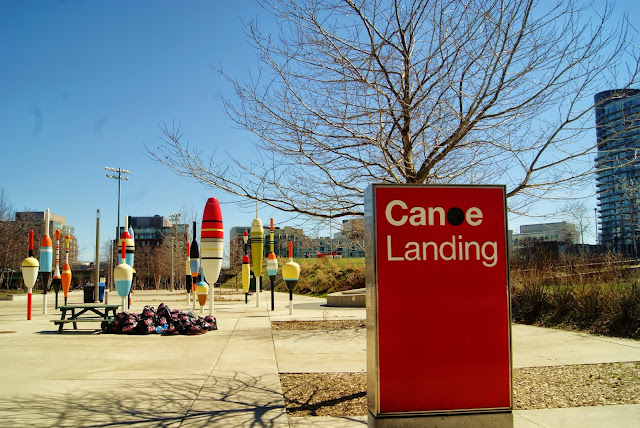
[{"x": 233, "y": 399}]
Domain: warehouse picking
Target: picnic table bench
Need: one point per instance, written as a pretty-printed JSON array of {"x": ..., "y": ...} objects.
[{"x": 86, "y": 312}]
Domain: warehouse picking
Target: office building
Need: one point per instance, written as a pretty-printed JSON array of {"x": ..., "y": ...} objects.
[
  {"x": 560, "y": 232},
  {"x": 35, "y": 220},
  {"x": 617, "y": 115},
  {"x": 155, "y": 230}
]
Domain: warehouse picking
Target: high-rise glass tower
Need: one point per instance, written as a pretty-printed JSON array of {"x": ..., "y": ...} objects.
[{"x": 618, "y": 169}]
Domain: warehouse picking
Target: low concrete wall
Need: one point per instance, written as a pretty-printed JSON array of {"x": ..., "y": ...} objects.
[
  {"x": 351, "y": 299},
  {"x": 13, "y": 297}
]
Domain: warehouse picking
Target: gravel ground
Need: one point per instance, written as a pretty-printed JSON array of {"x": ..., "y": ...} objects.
[
  {"x": 344, "y": 394},
  {"x": 318, "y": 325}
]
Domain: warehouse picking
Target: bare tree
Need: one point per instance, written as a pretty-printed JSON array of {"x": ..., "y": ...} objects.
[
  {"x": 353, "y": 92},
  {"x": 580, "y": 213},
  {"x": 10, "y": 234}
]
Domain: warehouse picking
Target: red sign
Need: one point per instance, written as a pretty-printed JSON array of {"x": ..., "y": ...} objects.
[{"x": 440, "y": 298}]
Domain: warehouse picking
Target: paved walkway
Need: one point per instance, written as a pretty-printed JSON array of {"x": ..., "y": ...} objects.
[{"x": 227, "y": 377}]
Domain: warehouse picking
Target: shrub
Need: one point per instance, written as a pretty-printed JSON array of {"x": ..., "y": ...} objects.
[{"x": 595, "y": 295}]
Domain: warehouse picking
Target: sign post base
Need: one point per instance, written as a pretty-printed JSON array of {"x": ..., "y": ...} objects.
[{"x": 475, "y": 420}]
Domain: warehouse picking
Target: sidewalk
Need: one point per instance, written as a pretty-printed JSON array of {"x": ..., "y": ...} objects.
[{"x": 227, "y": 377}]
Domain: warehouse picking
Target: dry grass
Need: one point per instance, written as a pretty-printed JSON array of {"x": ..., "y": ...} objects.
[
  {"x": 322, "y": 276},
  {"x": 595, "y": 295}
]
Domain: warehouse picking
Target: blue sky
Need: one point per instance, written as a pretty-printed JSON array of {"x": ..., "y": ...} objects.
[{"x": 85, "y": 84}]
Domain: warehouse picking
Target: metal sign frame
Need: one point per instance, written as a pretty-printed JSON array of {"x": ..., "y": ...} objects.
[{"x": 377, "y": 408}]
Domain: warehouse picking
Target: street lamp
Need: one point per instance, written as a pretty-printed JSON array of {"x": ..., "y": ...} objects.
[{"x": 118, "y": 177}]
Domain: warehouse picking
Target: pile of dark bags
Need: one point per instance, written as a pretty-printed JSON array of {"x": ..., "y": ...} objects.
[{"x": 161, "y": 321}]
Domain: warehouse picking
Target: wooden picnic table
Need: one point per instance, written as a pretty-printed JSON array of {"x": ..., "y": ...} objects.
[{"x": 86, "y": 312}]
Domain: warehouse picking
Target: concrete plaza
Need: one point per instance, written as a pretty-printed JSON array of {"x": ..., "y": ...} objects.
[{"x": 228, "y": 377}]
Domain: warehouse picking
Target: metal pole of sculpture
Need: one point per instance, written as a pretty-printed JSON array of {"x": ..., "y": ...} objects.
[
  {"x": 46, "y": 260},
  {"x": 30, "y": 268},
  {"x": 56, "y": 283},
  {"x": 66, "y": 270},
  {"x": 246, "y": 269},
  {"x": 291, "y": 273},
  {"x": 257, "y": 248},
  {"x": 187, "y": 271},
  {"x": 212, "y": 243},
  {"x": 272, "y": 265},
  {"x": 123, "y": 276},
  {"x": 195, "y": 264}
]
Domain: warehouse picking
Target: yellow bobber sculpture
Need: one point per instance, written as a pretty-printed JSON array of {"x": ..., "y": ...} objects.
[
  {"x": 290, "y": 274},
  {"x": 257, "y": 247}
]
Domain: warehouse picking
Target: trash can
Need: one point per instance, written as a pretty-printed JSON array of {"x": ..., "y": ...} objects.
[
  {"x": 252, "y": 283},
  {"x": 88, "y": 292},
  {"x": 101, "y": 287}
]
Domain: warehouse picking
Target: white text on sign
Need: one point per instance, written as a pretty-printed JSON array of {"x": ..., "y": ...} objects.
[{"x": 398, "y": 213}]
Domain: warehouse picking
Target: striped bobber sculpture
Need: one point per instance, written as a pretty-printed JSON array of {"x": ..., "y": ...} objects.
[
  {"x": 194, "y": 255},
  {"x": 56, "y": 283},
  {"x": 257, "y": 247},
  {"x": 211, "y": 246},
  {"x": 46, "y": 260},
  {"x": 272, "y": 265}
]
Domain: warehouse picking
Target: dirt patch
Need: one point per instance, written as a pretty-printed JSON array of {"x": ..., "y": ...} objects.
[
  {"x": 319, "y": 325},
  {"x": 344, "y": 394}
]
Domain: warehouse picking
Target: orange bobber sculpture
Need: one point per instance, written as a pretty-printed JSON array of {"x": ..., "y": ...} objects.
[{"x": 66, "y": 270}]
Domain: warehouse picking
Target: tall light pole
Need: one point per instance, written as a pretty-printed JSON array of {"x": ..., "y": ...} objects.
[
  {"x": 96, "y": 265},
  {"x": 118, "y": 177}
]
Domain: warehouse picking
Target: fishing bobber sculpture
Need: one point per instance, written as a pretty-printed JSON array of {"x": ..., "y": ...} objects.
[
  {"x": 211, "y": 246},
  {"x": 30, "y": 267},
  {"x": 246, "y": 269},
  {"x": 272, "y": 265},
  {"x": 66, "y": 270},
  {"x": 130, "y": 247},
  {"x": 202, "y": 291},
  {"x": 56, "y": 283},
  {"x": 123, "y": 277},
  {"x": 257, "y": 245},
  {"x": 128, "y": 251},
  {"x": 194, "y": 256},
  {"x": 290, "y": 274},
  {"x": 187, "y": 271},
  {"x": 46, "y": 260}
]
